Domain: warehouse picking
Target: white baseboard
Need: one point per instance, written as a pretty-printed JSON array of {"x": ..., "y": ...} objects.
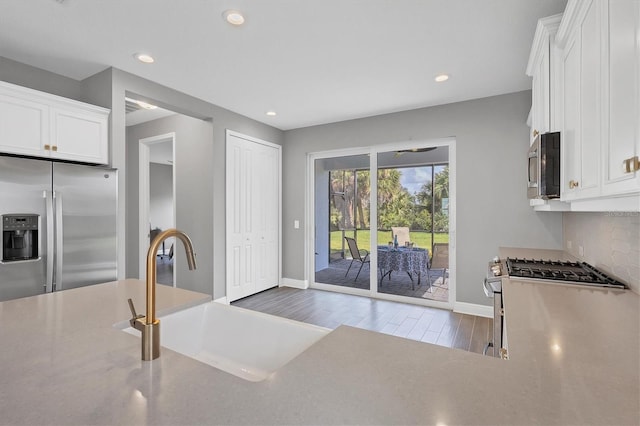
[
  {"x": 222, "y": 300},
  {"x": 473, "y": 309},
  {"x": 290, "y": 282}
]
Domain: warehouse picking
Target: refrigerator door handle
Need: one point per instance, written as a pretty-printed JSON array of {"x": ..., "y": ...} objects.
[
  {"x": 59, "y": 239},
  {"x": 48, "y": 200}
]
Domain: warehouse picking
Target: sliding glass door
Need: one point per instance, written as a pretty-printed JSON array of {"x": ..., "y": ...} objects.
[
  {"x": 401, "y": 252},
  {"x": 342, "y": 212},
  {"x": 412, "y": 221}
]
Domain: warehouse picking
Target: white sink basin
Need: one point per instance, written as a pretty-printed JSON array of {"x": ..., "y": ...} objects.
[{"x": 245, "y": 343}]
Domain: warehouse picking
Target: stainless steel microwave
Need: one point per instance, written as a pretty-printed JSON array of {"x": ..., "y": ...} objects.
[{"x": 544, "y": 167}]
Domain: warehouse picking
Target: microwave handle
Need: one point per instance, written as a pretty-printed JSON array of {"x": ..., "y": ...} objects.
[{"x": 533, "y": 154}]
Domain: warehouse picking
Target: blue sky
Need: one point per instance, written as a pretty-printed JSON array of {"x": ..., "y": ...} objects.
[{"x": 413, "y": 178}]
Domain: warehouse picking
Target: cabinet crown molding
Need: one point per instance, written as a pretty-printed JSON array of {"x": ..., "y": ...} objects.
[
  {"x": 575, "y": 11},
  {"x": 545, "y": 30}
]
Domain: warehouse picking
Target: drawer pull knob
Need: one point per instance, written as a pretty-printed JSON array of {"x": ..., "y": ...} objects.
[
  {"x": 573, "y": 184},
  {"x": 47, "y": 147}
]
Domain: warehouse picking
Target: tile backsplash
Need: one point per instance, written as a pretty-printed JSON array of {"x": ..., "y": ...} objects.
[{"x": 607, "y": 240}]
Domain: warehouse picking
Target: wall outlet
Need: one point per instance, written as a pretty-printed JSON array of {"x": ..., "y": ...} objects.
[
  {"x": 569, "y": 245},
  {"x": 296, "y": 224},
  {"x": 580, "y": 251}
]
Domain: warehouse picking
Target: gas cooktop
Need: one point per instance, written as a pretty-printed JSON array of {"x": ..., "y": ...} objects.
[{"x": 570, "y": 272}]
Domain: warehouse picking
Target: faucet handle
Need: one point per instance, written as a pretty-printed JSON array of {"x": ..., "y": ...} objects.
[{"x": 134, "y": 313}]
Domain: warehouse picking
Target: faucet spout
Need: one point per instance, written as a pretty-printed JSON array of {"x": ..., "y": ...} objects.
[
  {"x": 149, "y": 325},
  {"x": 152, "y": 266}
]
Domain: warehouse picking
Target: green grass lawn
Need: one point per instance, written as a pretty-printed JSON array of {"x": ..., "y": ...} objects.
[{"x": 421, "y": 239}]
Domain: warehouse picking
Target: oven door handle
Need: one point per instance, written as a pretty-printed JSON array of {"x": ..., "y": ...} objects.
[{"x": 487, "y": 288}]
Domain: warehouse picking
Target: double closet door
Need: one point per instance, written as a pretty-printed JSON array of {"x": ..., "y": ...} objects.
[{"x": 253, "y": 215}]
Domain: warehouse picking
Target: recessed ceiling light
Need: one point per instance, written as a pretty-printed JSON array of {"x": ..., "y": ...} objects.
[
  {"x": 441, "y": 77},
  {"x": 233, "y": 17},
  {"x": 271, "y": 113},
  {"x": 144, "y": 57}
]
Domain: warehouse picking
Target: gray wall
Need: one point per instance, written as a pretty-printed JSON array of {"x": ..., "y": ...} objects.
[
  {"x": 492, "y": 207},
  {"x": 39, "y": 79},
  {"x": 194, "y": 195}
]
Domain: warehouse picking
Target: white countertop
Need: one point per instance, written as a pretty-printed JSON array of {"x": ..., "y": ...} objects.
[{"x": 63, "y": 362}]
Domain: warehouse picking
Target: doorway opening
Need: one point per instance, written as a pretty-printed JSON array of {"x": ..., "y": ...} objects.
[{"x": 157, "y": 207}]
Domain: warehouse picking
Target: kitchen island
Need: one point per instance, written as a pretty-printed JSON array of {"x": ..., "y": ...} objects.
[{"x": 64, "y": 362}]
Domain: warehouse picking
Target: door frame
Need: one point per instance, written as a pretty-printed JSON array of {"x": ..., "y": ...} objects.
[
  {"x": 372, "y": 151},
  {"x": 144, "y": 151},
  {"x": 229, "y": 203}
]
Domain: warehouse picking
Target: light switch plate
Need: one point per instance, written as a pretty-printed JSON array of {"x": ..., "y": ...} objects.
[{"x": 296, "y": 224}]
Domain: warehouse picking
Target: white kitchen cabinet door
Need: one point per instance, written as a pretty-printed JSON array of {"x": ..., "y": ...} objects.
[
  {"x": 540, "y": 98},
  {"x": 24, "y": 126},
  {"x": 582, "y": 100},
  {"x": 253, "y": 215},
  {"x": 622, "y": 113},
  {"x": 543, "y": 69},
  {"x": 80, "y": 135},
  {"x": 590, "y": 103},
  {"x": 570, "y": 146}
]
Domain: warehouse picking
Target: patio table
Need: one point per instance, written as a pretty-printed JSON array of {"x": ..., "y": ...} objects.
[{"x": 411, "y": 260}]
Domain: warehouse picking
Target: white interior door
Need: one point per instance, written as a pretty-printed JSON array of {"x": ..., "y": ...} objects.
[{"x": 253, "y": 215}]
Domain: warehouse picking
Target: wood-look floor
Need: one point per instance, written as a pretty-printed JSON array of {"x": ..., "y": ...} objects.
[
  {"x": 328, "y": 309},
  {"x": 164, "y": 270}
]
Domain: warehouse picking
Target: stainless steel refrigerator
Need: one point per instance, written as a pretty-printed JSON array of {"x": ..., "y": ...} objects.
[{"x": 58, "y": 226}]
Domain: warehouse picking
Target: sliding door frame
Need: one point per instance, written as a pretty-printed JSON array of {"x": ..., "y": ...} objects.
[{"x": 373, "y": 152}]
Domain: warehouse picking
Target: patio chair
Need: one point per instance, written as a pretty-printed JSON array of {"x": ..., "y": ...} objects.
[
  {"x": 440, "y": 259},
  {"x": 361, "y": 256},
  {"x": 403, "y": 234}
]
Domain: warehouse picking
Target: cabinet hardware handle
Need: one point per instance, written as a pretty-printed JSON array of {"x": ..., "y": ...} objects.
[
  {"x": 573, "y": 184},
  {"x": 631, "y": 164},
  {"x": 54, "y": 148},
  {"x": 535, "y": 133},
  {"x": 47, "y": 147}
]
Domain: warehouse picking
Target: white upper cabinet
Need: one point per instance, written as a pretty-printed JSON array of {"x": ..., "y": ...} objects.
[
  {"x": 43, "y": 125},
  {"x": 621, "y": 22},
  {"x": 24, "y": 125},
  {"x": 543, "y": 69},
  {"x": 599, "y": 110},
  {"x": 80, "y": 135}
]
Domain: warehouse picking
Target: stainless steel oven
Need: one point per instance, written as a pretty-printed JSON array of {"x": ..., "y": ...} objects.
[
  {"x": 492, "y": 286},
  {"x": 561, "y": 272}
]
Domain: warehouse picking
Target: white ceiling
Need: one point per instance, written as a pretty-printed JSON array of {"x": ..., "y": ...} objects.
[{"x": 312, "y": 61}]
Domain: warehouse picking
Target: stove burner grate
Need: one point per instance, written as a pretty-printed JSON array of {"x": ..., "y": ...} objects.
[{"x": 578, "y": 272}]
